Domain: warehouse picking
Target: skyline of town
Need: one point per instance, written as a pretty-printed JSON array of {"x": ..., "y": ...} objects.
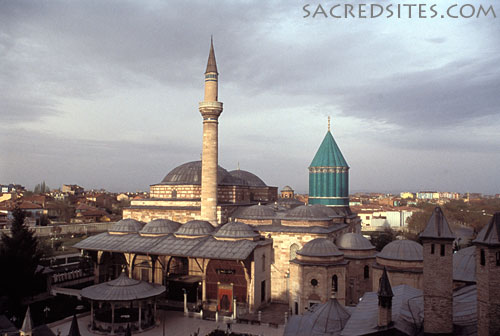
[{"x": 110, "y": 100}]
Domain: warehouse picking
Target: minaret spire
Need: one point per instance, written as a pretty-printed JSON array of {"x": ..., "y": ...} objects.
[
  {"x": 212, "y": 63},
  {"x": 210, "y": 109}
]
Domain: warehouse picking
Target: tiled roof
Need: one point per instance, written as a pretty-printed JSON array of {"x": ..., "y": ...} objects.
[
  {"x": 490, "y": 234},
  {"x": 437, "y": 226},
  {"x": 122, "y": 288},
  {"x": 328, "y": 154}
]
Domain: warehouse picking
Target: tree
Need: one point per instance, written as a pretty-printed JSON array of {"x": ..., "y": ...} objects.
[
  {"x": 41, "y": 188},
  {"x": 379, "y": 241},
  {"x": 19, "y": 258}
]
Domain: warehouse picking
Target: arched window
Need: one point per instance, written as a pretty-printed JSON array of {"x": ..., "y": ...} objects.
[
  {"x": 335, "y": 283},
  {"x": 482, "y": 260},
  {"x": 293, "y": 251},
  {"x": 367, "y": 272},
  {"x": 174, "y": 193}
]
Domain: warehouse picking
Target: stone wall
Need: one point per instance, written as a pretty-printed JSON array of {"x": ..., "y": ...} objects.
[
  {"x": 147, "y": 215},
  {"x": 356, "y": 283},
  {"x": 488, "y": 295},
  {"x": 85, "y": 228},
  {"x": 438, "y": 287},
  {"x": 401, "y": 276}
]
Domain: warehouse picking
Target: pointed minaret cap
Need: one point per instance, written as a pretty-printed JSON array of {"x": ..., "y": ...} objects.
[
  {"x": 27, "y": 326},
  {"x": 437, "y": 226},
  {"x": 385, "y": 289},
  {"x": 490, "y": 234},
  {"x": 73, "y": 329},
  {"x": 211, "y": 64}
]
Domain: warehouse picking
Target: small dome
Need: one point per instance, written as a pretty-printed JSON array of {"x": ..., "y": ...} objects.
[
  {"x": 236, "y": 230},
  {"x": 464, "y": 265},
  {"x": 320, "y": 247},
  {"x": 306, "y": 212},
  {"x": 251, "y": 179},
  {"x": 190, "y": 173},
  {"x": 195, "y": 228},
  {"x": 127, "y": 225},
  {"x": 161, "y": 226},
  {"x": 354, "y": 241},
  {"x": 255, "y": 212},
  {"x": 287, "y": 188},
  {"x": 405, "y": 250}
]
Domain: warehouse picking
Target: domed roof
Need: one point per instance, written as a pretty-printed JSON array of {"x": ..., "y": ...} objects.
[
  {"x": 255, "y": 212},
  {"x": 161, "y": 226},
  {"x": 236, "y": 230},
  {"x": 329, "y": 211},
  {"x": 307, "y": 212},
  {"x": 122, "y": 288},
  {"x": 405, "y": 250},
  {"x": 354, "y": 241},
  {"x": 287, "y": 188},
  {"x": 319, "y": 247},
  {"x": 195, "y": 228},
  {"x": 251, "y": 179},
  {"x": 464, "y": 265},
  {"x": 190, "y": 173},
  {"x": 126, "y": 225}
]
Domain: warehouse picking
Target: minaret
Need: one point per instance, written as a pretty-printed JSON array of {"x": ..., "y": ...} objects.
[
  {"x": 488, "y": 277},
  {"x": 210, "y": 110},
  {"x": 27, "y": 327},
  {"x": 329, "y": 175},
  {"x": 437, "y": 240},
  {"x": 384, "y": 301}
]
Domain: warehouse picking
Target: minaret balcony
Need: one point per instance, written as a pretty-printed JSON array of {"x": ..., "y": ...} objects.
[{"x": 210, "y": 109}]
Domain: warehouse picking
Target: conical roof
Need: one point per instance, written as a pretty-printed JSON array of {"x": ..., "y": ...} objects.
[
  {"x": 211, "y": 64},
  {"x": 324, "y": 319},
  {"x": 490, "y": 234},
  {"x": 27, "y": 326},
  {"x": 73, "y": 329},
  {"x": 122, "y": 289},
  {"x": 437, "y": 226},
  {"x": 385, "y": 288},
  {"x": 328, "y": 154}
]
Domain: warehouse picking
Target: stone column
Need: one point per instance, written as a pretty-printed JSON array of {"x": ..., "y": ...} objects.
[
  {"x": 91, "y": 315},
  {"x": 185, "y": 303},
  {"x": 140, "y": 315}
]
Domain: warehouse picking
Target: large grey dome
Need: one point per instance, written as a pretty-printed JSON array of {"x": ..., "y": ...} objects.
[
  {"x": 195, "y": 228},
  {"x": 126, "y": 225},
  {"x": 160, "y": 226},
  {"x": 251, "y": 179},
  {"x": 320, "y": 247},
  {"x": 190, "y": 173},
  {"x": 236, "y": 230},
  {"x": 404, "y": 250},
  {"x": 306, "y": 212},
  {"x": 255, "y": 212},
  {"x": 464, "y": 265},
  {"x": 354, "y": 241}
]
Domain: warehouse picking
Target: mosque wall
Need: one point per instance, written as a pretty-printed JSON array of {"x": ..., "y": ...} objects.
[
  {"x": 147, "y": 215},
  {"x": 358, "y": 279},
  {"x": 282, "y": 242},
  {"x": 312, "y": 284},
  {"x": 413, "y": 278}
]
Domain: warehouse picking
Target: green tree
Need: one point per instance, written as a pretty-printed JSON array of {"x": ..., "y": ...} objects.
[
  {"x": 41, "y": 188},
  {"x": 382, "y": 239},
  {"x": 19, "y": 258}
]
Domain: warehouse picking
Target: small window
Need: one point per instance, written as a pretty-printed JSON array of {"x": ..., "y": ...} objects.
[
  {"x": 293, "y": 251},
  {"x": 483, "y": 258},
  {"x": 498, "y": 258},
  {"x": 366, "y": 272},
  {"x": 432, "y": 248},
  {"x": 174, "y": 193},
  {"x": 442, "y": 249},
  {"x": 314, "y": 282},
  {"x": 335, "y": 283}
]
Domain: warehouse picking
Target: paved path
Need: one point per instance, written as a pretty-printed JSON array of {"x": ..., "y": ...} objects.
[{"x": 176, "y": 325}]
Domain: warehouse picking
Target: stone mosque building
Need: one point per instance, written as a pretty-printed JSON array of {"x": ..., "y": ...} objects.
[{"x": 232, "y": 243}]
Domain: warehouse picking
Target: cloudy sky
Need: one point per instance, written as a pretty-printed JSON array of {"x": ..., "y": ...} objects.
[{"x": 105, "y": 94}]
